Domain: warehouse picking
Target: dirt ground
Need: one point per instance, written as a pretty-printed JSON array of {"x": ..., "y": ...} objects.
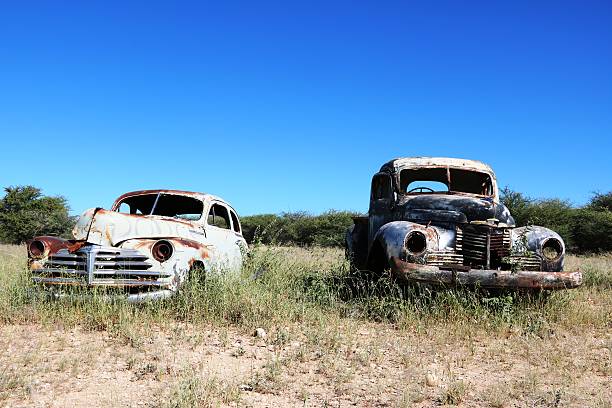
[
  {"x": 349, "y": 364},
  {"x": 312, "y": 354}
]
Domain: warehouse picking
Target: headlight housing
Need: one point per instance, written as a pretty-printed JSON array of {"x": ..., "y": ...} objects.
[
  {"x": 37, "y": 249},
  {"x": 415, "y": 243},
  {"x": 162, "y": 250},
  {"x": 552, "y": 249}
]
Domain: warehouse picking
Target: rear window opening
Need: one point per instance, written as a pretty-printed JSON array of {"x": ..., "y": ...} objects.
[
  {"x": 442, "y": 180},
  {"x": 165, "y": 205}
]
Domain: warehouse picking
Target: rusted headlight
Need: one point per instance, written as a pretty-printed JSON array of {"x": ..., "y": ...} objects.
[
  {"x": 416, "y": 243},
  {"x": 162, "y": 251},
  {"x": 37, "y": 249},
  {"x": 552, "y": 249}
]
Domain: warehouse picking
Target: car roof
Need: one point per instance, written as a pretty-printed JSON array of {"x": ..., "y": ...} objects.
[{"x": 200, "y": 196}]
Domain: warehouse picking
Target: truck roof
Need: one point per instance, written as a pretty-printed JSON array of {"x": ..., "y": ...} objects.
[{"x": 417, "y": 162}]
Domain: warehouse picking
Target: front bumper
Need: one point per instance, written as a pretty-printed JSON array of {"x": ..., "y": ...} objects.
[
  {"x": 130, "y": 298},
  {"x": 484, "y": 278}
]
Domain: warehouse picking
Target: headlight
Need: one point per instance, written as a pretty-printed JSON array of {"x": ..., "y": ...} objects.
[
  {"x": 552, "y": 249},
  {"x": 162, "y": 251},
  {"x": 37, "y": 249},
  {"x": 416, "y": 243}
]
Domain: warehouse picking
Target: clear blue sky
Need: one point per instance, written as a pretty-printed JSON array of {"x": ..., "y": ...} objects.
[{"x": 285, "y": 107}]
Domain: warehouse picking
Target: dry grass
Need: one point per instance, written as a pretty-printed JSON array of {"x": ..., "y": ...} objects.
[{"x": 326, "y": 345}]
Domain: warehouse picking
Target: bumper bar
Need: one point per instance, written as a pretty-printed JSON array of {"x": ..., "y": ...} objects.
[{"x": 485, "y": 278}]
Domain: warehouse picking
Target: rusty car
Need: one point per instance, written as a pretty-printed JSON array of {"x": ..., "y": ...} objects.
[
  {"x": 439, "y": 221},
  {"x": 147, "y": 245}
]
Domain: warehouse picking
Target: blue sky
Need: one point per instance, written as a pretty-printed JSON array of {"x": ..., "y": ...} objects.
[{"x": 293, "y": 106}]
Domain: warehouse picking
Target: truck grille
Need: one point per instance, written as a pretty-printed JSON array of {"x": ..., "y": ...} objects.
[
  {"x": 95, "y": 265},
  {"x": 524, "y": 262},
  {"x": 482, "y": 245},
  {"x": 444, "y": 258}
]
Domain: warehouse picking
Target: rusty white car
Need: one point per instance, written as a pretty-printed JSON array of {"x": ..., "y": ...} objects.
[
  {"x": 440, "y": 221},
  {"x": 148, "y": 244}
]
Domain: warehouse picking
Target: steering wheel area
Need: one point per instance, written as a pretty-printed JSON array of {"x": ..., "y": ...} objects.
[{"x": 421, "y": 190}]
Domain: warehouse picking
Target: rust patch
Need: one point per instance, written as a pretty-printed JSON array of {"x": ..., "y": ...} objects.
[
  {"x": 72, "y": 248},
  {"x": 485, "y": 278}
]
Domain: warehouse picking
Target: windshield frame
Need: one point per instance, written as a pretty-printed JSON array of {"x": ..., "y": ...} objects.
[
  {"x": 448, "y": 181},
  {"x": 158, "y": 195}
]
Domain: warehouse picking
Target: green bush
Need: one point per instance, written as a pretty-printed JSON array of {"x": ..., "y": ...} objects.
[
  {"x": 591, "y": 230},
  {"x": 25, "y": 213},
  {"x": 586, "y": 229},
  {"x": 298, "y": 228}
]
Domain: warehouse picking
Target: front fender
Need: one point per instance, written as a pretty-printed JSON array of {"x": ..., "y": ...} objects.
[
  {"x": 390, "y": 240},
  {"x": 187, "y": 254},
  {"x": 532, "y": 239}
]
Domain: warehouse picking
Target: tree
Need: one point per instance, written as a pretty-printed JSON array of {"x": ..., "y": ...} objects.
[
  {"x": 25, "y": 213},
  {"x": 518, "y": 204}
]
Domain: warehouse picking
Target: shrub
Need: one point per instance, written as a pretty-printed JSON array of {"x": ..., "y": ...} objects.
[
  {"x": 25, "y": 212},
  {"x": 298, "y": 228},
  {"x": 586, "y": 229}
]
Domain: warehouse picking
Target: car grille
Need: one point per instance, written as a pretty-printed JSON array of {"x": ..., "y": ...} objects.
[{"x": 95, "y": 265}]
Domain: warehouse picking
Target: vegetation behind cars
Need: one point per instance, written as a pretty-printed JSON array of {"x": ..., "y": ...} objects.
[{"x": 25, "y": 212}]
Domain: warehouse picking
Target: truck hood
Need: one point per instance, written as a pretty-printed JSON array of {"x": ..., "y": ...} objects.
[
  {"x": 109, "y": 228},
  {"x": 459, "y": 208}
]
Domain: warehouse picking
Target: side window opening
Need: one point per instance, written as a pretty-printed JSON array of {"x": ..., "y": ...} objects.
[
  {"x": 381, "y": 187},
  {"x": 219, "y": 217},
  {"x": 235, "y": 222},
  {"x": 124, "y": 208}
]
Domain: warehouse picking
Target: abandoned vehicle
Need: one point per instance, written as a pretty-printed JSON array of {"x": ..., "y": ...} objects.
[
  {"x": 440, "y": 221},
  {"x": 147, "y": 244}
]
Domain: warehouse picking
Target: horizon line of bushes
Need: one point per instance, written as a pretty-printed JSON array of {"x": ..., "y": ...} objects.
[
  {"x": 25, "y": 212},
  {"x": 584, "y": 229}
]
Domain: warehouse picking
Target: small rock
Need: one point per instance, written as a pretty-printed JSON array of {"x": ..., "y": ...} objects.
[
  {"x": 246, "y": 387},
  {"x": 261, "y": 333},
  {"x": 431, "y": 380}
]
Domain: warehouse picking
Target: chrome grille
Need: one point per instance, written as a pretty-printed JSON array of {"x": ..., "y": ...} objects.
[
  {"x": 483, "y": 245},
  {"x": 474, "y": 246},
  {"x": 95, "y": 265},
  {"x": 525, "y": 262},
  {"x": 441, "y": 258},
  {"x": 500, "y": 242}
]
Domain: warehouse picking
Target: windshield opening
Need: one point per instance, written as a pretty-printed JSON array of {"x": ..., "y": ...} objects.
[
  {"x": 444, "y": 180},
  {"x": 166, "y": 205}
]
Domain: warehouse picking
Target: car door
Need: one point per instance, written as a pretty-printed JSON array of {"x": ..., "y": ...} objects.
[
  {"x": 241, "y": 247},
  {"x": 222, "y": 239},
  {"x": 382, "y": 200}
]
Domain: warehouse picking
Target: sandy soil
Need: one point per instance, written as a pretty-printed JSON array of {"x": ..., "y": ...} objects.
[{"x": 349, "y": 364}]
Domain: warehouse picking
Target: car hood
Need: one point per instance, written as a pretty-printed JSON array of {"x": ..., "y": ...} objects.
[
  {"x": 457, "y": 208},
  {"x": 109, "y": 228}
]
